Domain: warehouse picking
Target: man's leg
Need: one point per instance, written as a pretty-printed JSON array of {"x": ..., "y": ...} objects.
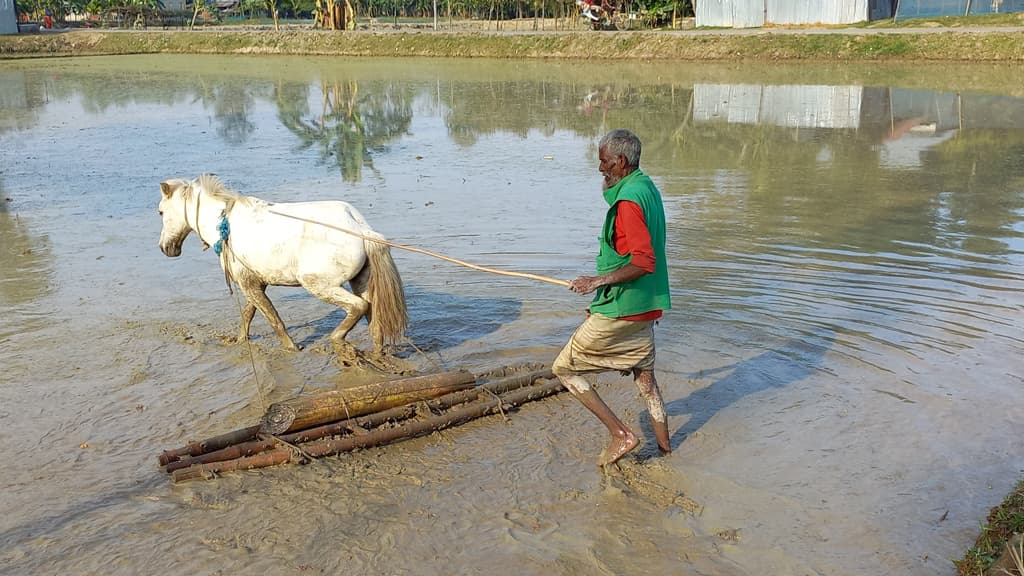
[
  {"x": 648, "y": 386},
  {"x": 623, "y": 440}
]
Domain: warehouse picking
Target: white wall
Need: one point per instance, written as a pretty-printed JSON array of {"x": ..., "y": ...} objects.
[{"x": 756, "y": 13}]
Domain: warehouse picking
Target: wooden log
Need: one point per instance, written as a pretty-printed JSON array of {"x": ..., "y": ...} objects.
[
  {"x": 328, "y": 447},
  {"x": 208, "y": 445},
  {"x": 308, "y": 411},
  {"x": 400, "y": 413},
  {"x": 263, "y": 444},
  {"x": 499, "y": 386}
]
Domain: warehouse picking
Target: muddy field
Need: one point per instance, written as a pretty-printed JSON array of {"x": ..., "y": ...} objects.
[{"x": 837, "y": 367}]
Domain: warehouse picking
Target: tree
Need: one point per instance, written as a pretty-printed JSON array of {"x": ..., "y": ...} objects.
[
  {"x": 272, "y": 8},
  {"x": 334, "y": 15},
  {"x": 197, "y": 7}
]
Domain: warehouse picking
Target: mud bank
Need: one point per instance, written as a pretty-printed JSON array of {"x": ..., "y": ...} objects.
[{"x": 844, "y": 45}]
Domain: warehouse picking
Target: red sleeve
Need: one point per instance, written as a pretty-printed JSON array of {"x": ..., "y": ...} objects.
[{"x": 632, "y": 236}]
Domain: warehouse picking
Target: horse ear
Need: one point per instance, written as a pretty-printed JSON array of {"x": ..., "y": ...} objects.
[{"x": 167, "y": 189}]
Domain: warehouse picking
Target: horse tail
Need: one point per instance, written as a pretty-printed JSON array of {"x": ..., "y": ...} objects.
[{"x": 388, "y": 314}]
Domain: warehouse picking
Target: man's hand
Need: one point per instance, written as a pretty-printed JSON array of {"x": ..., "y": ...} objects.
[{"x": 585, "y": 284}]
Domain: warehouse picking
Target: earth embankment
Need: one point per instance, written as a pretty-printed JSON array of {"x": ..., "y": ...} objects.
[{"x": 970, "y": 45}]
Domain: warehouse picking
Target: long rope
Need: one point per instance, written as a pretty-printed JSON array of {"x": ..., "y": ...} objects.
[{"x": 427, "y": 252}]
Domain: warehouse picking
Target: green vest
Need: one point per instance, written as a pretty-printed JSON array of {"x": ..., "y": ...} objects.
[{"x": 650, "y": 291}]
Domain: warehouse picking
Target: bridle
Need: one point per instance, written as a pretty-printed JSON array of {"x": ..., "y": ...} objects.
[{"x": 185, "y": 194}]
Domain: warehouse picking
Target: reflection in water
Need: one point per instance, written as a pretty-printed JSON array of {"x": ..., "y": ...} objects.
[
  {"x": 832, "y": 183},
  {"x": 835, "y": 183},
  {"x": 863, "y": 209},
  {"x": 231, "y": 101},
  {"x": 20, "y": 100},
  {"x": 26, "y": 261},
  {"x": 349, "y": 123}
]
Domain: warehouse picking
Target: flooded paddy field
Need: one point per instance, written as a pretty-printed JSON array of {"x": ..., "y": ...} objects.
[{"x": 842, "y": 367}]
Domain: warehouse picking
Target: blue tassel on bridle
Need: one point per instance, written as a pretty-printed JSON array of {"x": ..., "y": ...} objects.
[{"x": 225, "y": 230}]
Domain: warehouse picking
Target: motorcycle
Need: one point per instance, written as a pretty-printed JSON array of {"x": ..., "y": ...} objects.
[{"x": 600, "y": 16}]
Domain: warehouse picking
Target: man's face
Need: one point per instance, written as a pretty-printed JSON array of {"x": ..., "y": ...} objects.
[{"x": 612, "y": 167}]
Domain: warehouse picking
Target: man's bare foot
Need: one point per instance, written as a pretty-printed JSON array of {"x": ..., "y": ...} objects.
[{"x": 620, "y": 445}]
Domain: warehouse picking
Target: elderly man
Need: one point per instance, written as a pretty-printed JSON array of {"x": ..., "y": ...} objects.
[{"x": 631, "y": 291}]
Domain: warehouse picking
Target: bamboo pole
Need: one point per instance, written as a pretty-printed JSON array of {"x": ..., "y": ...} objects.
[
  {"x": 426, "y": 252},
  {"x": 377, "y": 437},
  {"x": 209, "y": 445},
  {"x": 500, "y": 386},
  {"x": 308, "y": 411},
  {"x": 222, "y": 441},
  {"x": 263, "y": 444}
]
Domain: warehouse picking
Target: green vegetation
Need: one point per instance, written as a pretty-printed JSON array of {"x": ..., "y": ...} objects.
[
  {"x": 1003, "y": 522},
  {"x": 329, "y": 13}
]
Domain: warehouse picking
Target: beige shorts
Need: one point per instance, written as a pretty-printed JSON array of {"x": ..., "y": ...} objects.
[{"x": 602, "y": 344}]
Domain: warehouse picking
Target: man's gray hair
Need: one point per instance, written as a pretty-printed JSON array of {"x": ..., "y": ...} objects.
[{"x": 622, "y": 142}]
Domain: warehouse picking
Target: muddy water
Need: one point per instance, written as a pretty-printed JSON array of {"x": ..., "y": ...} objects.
[{"x": 841, "y": 369}]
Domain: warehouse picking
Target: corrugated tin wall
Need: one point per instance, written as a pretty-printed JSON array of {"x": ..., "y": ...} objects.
[
  {"x": 730, "y": 13},
  {"x": 754, "y": 13},
  {"x": 816, "y": 11},
  {"x": 8, "y": 19}
]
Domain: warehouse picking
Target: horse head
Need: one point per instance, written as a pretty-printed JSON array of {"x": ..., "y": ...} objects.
[{"x": 172, "y": 211}]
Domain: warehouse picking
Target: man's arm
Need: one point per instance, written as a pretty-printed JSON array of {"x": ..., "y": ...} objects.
[
  {"x": 587, "y": 284},
  {"x": 631, "y": 236}
]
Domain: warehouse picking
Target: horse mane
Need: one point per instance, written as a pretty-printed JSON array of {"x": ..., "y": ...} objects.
[{"x": 213, "y": 186}]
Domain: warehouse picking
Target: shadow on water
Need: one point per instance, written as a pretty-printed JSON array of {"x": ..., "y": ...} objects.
[
  {"x": 437, "y": 320},
  {"x": 791, "y": 362},
  {"x": 80, "y": 512}
]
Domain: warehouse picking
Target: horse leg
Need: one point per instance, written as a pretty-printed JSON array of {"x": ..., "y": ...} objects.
[
  {"x": 247, "y": 315},
  {"x": 360, "y": 286},
  {"x": 255, "y": 293},
  {"x": 354, "y": 306}
]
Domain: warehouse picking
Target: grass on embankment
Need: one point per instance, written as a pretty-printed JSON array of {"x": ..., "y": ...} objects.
[
  {"x": 1003, "y": 522},
  {"x": 945, "y": 46}
]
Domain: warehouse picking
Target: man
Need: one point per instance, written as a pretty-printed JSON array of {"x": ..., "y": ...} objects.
[{"x": 631, "y": 291}]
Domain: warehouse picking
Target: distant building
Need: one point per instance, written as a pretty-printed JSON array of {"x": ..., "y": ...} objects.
[
  {"x": 8, "y": 17},
  {"x": 757, "y": 13}
]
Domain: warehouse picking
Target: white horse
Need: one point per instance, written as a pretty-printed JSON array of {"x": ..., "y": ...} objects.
[{"x": 267, "y": 249}]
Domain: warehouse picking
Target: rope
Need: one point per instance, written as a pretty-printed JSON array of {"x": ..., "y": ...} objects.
[
  {"x": 424, "y": 354},
  {"x": 427, "y": 252},
  {"x": 252, "y": 360}
]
